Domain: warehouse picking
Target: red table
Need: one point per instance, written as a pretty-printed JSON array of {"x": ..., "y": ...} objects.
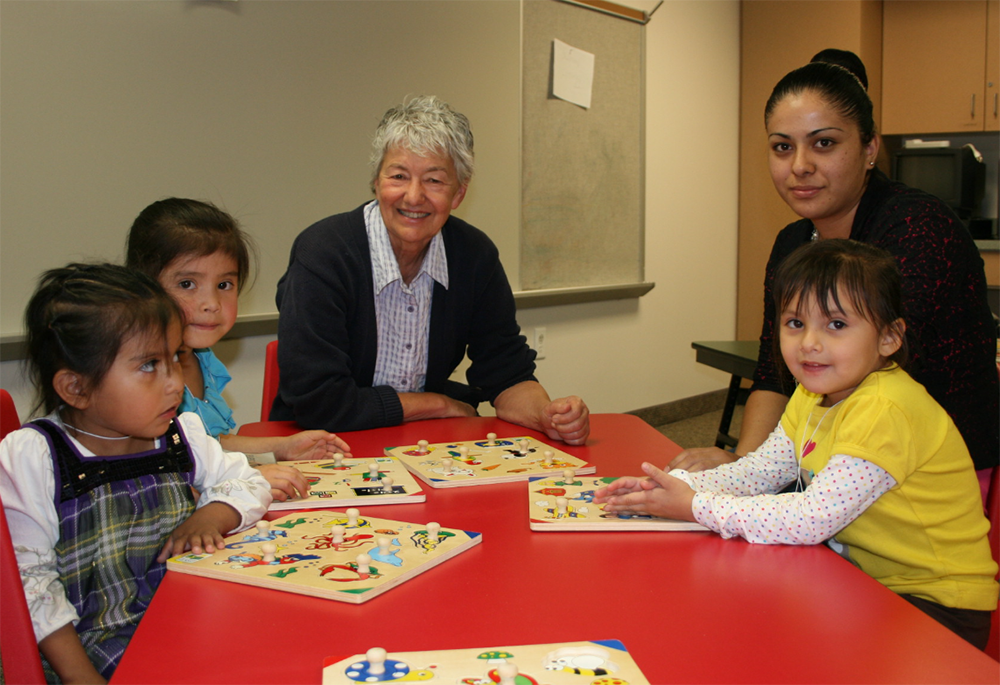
[{"x": 690, "y": 607}]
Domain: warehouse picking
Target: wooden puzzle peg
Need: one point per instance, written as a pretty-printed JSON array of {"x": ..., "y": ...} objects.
[
  {"x": 383, "y": 546},
  {"x": 386, "y": 484},
  {"x": 491, "y": 439},
  {"x": 508, "y": 673},
  {"x": 561, "y": 505},
  {"x": 549, "y": 455},
  {"x": 364, "y": 564},
  {"x": 432, "y": 530},
  {"x": 338, "y": 534},
  {"x": 373, "y": 470},
  {"x": 338, "y": 460},
  {"x": 463, "y": 452},
  {"x": 422, "y": 447},
  {"x": 352, "y": 517},
  {"x": 376, "y": 660},
  {"x": 569, "y": 476},
  {"x": 269, "y": 549},
  {"x": 523, "y": 446},
  {"x": 446, "y": 466},
  {"x": 263, "y": 528}
]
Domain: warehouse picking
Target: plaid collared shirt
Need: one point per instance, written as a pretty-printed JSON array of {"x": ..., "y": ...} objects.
[{"x": 402, "y": 312}]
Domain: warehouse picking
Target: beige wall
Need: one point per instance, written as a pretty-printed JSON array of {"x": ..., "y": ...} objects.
[{"x": 628, "y": 354}]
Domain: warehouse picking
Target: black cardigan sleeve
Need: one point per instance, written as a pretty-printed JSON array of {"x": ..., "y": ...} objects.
[{"x": 327, "y": 339}]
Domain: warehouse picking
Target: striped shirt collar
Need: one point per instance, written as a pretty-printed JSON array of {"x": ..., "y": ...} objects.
[{"x": 385, "y": 268}]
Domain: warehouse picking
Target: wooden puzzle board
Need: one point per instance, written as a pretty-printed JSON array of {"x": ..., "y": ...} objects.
[
  {"x": 571, "y": 663},
  {"x": 309, "y": 561},
  {"x": 351, "y": 483},
  {"x": 506, "y": 460},
  {"x": 545, "y": 513}
]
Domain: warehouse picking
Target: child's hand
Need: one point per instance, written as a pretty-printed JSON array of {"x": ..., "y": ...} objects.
[
  {"x": 315, "y": 444},
  {"x": 622, "y": 486},
  {"x": 659, "y": 495},
  {"x": 202, "y": 532},
  {"x": 286, "y": 482}
]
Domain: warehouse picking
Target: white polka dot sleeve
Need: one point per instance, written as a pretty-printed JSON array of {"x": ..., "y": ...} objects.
[{"x": 728, "y": 501}]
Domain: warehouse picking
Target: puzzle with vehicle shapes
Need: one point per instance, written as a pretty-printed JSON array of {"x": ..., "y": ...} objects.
[
  {"x": 344, "y": 482},
  {"x": 557, "y": 503},
  {"x": 340, "y": 556},
  {"x": 481, "y": 462},
  {"x": 605, "y": 662}
]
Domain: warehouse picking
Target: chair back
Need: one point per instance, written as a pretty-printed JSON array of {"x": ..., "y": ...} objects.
[
  {"x": 8, "y": 414},
  {"x": 270, "y": 380},
  {"x": 993, "y": 512},
  {"x": 18, "y": 649}
]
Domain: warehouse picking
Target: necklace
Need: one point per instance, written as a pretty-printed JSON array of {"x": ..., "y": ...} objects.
[
  {"x": 807, "y": 446},
  {"x": 95, "y": 435}
]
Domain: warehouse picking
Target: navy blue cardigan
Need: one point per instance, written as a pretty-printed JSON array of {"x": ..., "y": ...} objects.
[{"x": 328, "y": 338}]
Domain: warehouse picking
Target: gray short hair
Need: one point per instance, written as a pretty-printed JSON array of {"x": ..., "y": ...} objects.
[{"x": 425, "y": 124}]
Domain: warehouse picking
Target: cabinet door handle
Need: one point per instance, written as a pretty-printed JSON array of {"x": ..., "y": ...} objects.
[
  {"x": 972, "y": 113},
  {"x": 996, "y": 105}
]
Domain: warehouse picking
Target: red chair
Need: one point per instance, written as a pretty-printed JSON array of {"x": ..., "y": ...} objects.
[
  {"x": 993, "y": 512},
  {"x": 270, "y": 379},
  {"x": 18, "y": 649}
]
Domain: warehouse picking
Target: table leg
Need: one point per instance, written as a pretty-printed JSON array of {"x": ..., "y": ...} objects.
[{"x": 723, "y": 439}]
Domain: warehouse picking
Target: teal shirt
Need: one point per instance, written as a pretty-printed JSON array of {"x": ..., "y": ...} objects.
[{"x": 213, "y": 410}]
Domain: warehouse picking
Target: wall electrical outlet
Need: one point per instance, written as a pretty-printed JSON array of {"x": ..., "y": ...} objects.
[{"x": 539, "y": 345}]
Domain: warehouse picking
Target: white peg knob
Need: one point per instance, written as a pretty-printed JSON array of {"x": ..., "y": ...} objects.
[
  {"x": 376, "y": 660},
  {"x": 432, "y": 530}
]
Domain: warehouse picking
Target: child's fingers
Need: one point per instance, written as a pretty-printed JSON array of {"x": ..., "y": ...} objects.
[
  {"x": 339, "y": 444},
  {"x": 286, "y": 481},
  {"x": 166, "y": 551}
]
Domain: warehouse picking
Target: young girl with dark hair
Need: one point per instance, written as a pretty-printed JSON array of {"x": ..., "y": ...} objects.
[
  {"x": 202, "y": 258},
  {"x": 98, "y": 494},
  {"x": 882, "y": 474}
]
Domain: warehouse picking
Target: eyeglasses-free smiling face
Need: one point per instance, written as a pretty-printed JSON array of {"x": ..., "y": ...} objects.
[
  {"x": 416, "y": 195},
  {"x": 831, "y": 354},
  {"x": 206, "y": 288},
  {"x": 818, "y": 162}
]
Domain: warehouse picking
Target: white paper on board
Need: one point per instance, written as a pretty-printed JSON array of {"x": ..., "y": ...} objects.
[{"x": 572, "y": 73}]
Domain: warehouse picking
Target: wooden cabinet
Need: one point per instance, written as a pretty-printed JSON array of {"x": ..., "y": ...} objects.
[
  {"x": 993, "y": 65},
  {"x": 936, "y": 73}
]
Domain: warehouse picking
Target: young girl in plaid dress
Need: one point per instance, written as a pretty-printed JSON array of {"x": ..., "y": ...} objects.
[{"x": 98, "y": 493}]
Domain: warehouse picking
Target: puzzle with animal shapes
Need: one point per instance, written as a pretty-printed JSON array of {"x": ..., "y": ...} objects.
[
  {"x": 340, "y": 556},
  {"x": 481, "y": 462},
  {"x": 555, "y": 503},
  {"x": 605, "y": 662},
  {"x": 353, "y": 483}
]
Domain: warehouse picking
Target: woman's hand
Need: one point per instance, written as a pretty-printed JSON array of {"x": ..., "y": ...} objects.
[
  {"x": 568, "y": 419},
  {"x": 702, "y": 459}
]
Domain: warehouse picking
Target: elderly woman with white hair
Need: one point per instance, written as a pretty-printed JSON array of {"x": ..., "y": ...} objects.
[{"x": 380, "y": 305}]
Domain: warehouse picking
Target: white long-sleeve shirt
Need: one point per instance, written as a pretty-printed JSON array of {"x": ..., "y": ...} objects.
[
  {"x": 27, "y": 487},
  {"x": 734, "y": 499}
]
